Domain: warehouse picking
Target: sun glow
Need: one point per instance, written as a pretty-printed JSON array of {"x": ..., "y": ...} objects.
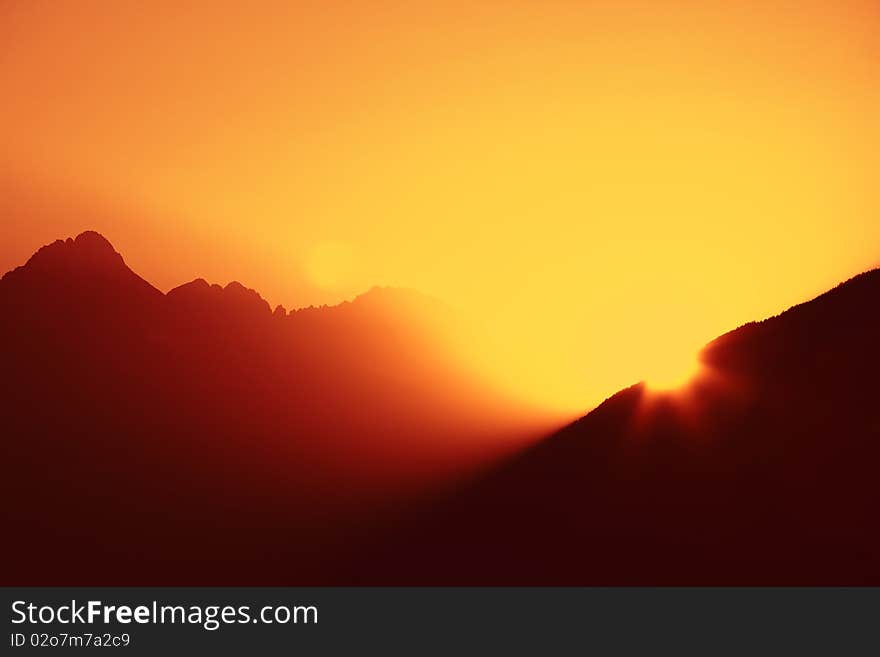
[
  {"x": 330, "y": 265},
  {"x": 671, "y": 372}
]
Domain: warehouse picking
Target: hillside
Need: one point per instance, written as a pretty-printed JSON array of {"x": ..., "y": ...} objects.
[
  {"x": 173, "y": 437},
  {"x": 762, "y": 471}
]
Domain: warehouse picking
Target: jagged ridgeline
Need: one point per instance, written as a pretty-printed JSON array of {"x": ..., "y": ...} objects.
[
  {"x": 200, "y": 426},
  {"x": 199, "y": 436}
]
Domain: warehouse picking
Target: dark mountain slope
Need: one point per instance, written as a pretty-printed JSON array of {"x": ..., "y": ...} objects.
[
  {"x": 72, "y": 275},
  {"x": 763, "y": 471},
  {"x": 200, "y": 437}
]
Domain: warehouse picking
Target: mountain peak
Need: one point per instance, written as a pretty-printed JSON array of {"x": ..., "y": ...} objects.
[
  {"x": 85, "y": 267},
  {"x": 243, "y": 296},
  {"x": 93, "y": 241},
  {"x": 198, "y": 286},
  {"x": 208, "y": 295},
  {"x": 89, "y": 249}
]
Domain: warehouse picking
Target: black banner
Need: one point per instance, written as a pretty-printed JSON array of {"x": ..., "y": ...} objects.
[{"x": 411, "y": 621}]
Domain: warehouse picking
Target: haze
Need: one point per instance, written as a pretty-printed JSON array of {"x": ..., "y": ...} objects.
[{"x": 599, "y": 190}]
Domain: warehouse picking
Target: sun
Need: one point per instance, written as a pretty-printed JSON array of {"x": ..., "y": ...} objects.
[
  {"x": 330, "y": 265},
  {"x": 671, "y": 371}
]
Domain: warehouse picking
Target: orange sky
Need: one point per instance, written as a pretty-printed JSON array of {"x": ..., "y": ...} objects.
[{"x": 601, "y": 187}]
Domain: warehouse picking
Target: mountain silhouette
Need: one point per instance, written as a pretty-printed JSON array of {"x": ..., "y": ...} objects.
[
  {"x": 158, "y": 435},
  {"x": 73, "y": 274},
  {"x": 762, "y": 471},
  {"x": 202, "y": 437}
]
